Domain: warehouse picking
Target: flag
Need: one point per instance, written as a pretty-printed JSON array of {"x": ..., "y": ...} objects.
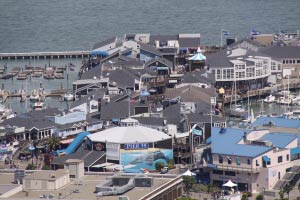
[
  {"x": 226, "y": 33},
  {"x": 254, "y": 32}
]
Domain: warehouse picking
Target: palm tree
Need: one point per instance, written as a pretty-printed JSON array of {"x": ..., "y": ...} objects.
[{"x": 53, "y": 143}]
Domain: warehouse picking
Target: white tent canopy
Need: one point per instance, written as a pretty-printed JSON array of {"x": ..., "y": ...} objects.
[
  {"x": 188, "y": 173},
  {"x": 229, "y": 184}
]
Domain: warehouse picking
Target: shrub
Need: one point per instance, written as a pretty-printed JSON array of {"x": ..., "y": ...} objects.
[
  {"x": 259, "y": 197},
  {"x": 46, "y": 167},
  {"x": 30, "y": 167}
]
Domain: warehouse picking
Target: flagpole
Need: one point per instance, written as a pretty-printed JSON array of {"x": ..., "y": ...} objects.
[{"x": 221, "y": 38}]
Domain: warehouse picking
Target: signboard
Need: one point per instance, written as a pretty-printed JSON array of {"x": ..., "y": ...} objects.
[
  {"x": 213, "y": 101},
  {"x": 136, "y": 146}
]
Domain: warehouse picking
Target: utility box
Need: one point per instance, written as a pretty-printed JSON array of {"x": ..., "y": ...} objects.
[{"x": 75, "y": 167}]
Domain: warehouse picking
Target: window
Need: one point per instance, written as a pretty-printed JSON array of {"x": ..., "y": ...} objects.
[
  {"x": 220, "y": 159},
  {"x": 287, "y": 157},
  {"x": 298, "y": 61},
  {"x": 257, "y": 164},
  {"x": 217, "y": 172},
  {"x": 248, "y": 161},
  {"x": 229, "y": 160},
  {"x": 279, "y": 159},
  {"x": 283, "y": 61},
  {"x": 229, "y": 173}
]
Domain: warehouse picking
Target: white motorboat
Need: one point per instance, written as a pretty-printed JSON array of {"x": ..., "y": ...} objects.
[
  {"x": 38, "y": 106},
  {"x": 284, "y": 100},
  {"x": 34, "y": 97},
  {"x": 295, "y": 100},
  {"x": 69, "y": 97},
  {"x": 270, "y": 99}
]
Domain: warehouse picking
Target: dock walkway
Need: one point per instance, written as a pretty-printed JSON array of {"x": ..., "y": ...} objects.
[{"x": 44, "y": 55}]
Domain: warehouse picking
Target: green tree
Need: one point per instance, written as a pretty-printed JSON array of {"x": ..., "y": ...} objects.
[
  {"x": 259, "y": 197},
  {"x": 159, "y": 166},
  {"x": 170, "y": 163},
  {"x": 287, "y": 189},
  {"x": 188, "y": 182},
  {"x": 53, "y": 143}
]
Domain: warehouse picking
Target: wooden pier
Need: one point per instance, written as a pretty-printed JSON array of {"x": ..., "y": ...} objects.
[
  {"x": 53, "y": 93},
  {"x": 45, "y": 55},
  {"x": 295, "y": 84}
]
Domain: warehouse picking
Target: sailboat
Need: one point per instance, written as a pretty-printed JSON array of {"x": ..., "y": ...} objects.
[
  {"x": 237, "y": 110},
  {"x": 68, "y": 96}
]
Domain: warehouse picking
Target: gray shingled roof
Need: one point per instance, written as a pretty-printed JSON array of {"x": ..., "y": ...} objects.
[
  {"x": 197, "y": 77},
  {"x": 163, "y": 61},
  {"x": 282, "y": 52},
  {"x": 149, "y": 48},
  {"x": 105, "y": 42},
  {"x": 118, "y": 110},
  {"x": 189, "y": 42},
  {"x": 89, "y": 157},
  {"x": 150, "y": 121},
  {"x": 191, "y": 94},
  {"x": 198, "y": 118},
  {"x": 122, "y": 77},
  {"x": 35, "y": 118},
  {"x": 99, "y": 93}
]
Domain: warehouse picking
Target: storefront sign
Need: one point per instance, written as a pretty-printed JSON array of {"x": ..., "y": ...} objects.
[{"x": 136, "y": 146}]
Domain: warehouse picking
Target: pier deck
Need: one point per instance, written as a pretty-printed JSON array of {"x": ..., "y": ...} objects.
[
  {"x": 44, "y": 55},
  {"x": 294, "y": 84}
]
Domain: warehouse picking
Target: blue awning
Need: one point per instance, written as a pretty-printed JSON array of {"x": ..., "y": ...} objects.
[
  {"x": 100, "y": 53},
  {"x": 115, "y": 119},
  {"x": 197, "y": 132},
  {"x": 295, "y": 151},
  {"x": 31, "y": 148},
  {"x": 266, "y": 159}
]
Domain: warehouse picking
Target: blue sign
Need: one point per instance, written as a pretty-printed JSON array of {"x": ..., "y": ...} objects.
[{"x": 136, "y": 146}]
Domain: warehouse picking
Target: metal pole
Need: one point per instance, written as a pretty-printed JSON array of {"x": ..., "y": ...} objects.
[{"x": 221, "y": 38}]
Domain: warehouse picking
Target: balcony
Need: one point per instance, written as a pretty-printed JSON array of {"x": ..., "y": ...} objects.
[{"x": 233, "y": 168}]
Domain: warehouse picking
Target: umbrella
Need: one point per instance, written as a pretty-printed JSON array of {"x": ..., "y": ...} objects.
[
  {"x": 198, "y": 56},
  {"x": 229, "y": 184},
  {"x": 188, "y": 173}
]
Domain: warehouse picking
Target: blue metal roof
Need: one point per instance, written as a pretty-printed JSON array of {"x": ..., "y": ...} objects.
[
  {"x": 295, "y": 151},
  {"x": 276, "y": 121},
  {"x": 226, "y": 143},
  {"x": 266, "y": 159},
  {"x": 280, "y": 140}
]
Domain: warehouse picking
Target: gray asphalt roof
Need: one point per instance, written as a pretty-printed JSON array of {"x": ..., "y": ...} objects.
[
  {"x": 282, "y": 52},
  {"x": 104, "y": 42},
  {"x": 164, "y": 38}
]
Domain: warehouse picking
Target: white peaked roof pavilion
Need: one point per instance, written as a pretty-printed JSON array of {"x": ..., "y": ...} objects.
[
  {"x": 129, "y": 134},
  {"x": 198, "y": 56},
  {"x": 229, "y": 184},
  {"x": 188, "y": 173}
]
